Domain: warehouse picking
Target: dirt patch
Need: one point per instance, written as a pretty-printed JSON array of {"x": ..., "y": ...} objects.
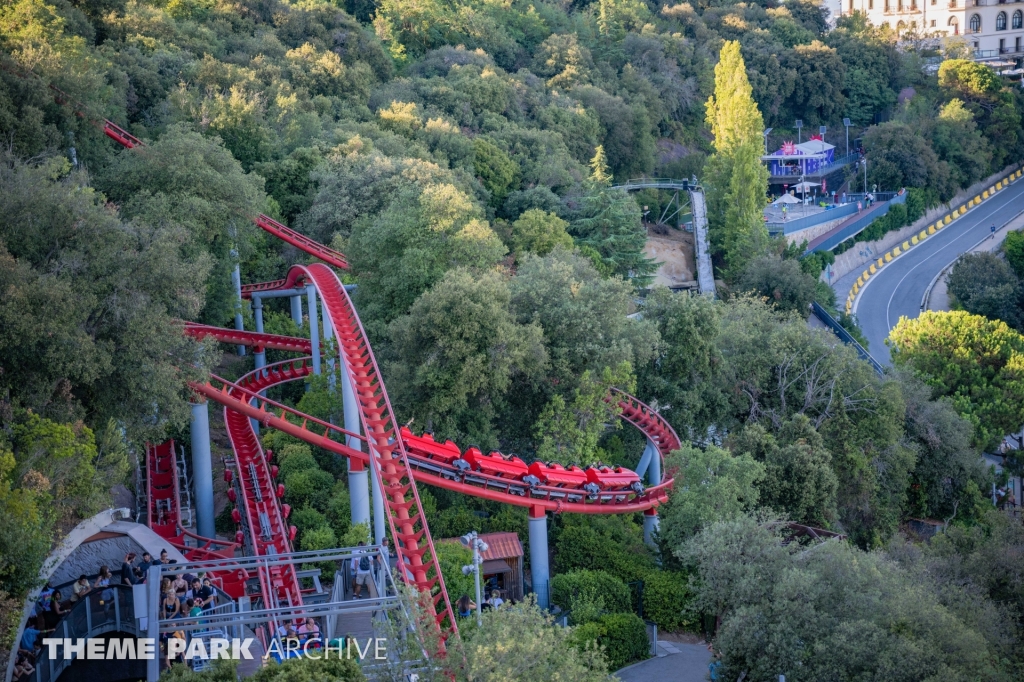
[{"x": 674, "y": 250}]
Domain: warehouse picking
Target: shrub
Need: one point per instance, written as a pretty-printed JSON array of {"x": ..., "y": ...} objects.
[
  {"x": 667, "y": 599},
  {"x": 306, "y": 518},
  {"x": 624, "y": 638},
  {"x": 295, "y": 462},
  {"x": 310, "y": 487},
  {"x": 452, "y": 557},
  {"x": 585, "y": 586}
]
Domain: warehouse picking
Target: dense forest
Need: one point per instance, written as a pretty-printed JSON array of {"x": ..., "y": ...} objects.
[{"x": 463, "y": 156}]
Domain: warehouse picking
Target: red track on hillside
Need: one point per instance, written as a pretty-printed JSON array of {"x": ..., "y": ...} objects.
[
  {"x": 392, "y": 464},
  {"x": 163, "y": 515}
]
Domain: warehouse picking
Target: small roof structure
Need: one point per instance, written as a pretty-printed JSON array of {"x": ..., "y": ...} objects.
[
  {"x": 804, "y": 186},
  {"x": 786, "y": 199}
]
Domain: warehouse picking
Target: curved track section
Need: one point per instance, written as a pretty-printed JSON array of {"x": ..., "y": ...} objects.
[
  {"x": 164, "y": 517},
  {"x": 428, "y": 458}
]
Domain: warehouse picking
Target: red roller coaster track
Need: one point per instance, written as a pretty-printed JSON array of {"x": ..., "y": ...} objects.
[{"x": 442, "y": 465}]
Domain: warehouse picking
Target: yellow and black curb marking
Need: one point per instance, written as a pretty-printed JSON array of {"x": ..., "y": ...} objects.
[{"x": 924, "y": 234}]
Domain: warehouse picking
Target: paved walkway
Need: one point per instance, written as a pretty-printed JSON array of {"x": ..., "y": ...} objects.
[{"x": 676, "y": 662}]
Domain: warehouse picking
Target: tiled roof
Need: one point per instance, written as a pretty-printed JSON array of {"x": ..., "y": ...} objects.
[{"x": 499, "y": 545}]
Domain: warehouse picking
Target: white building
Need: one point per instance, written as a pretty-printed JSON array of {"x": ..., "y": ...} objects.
[{"x": 993, "y": 27}]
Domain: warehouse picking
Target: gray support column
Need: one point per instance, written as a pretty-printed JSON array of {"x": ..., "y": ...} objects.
[
  {"x": 236, "y": 279},
  {"x": 328, "y": 335},
  {"x": 260, "y": 355},
  {"x": 650, "y": 526},
  {"x": 314, "y": 326},
  {"x": 359, "y": 494},
  {"x": 257, "y": 308},
  {"x": 297, "y": 310},
  {"x": 202, "y": 469},
  {"x": 358, "y": 485},
  {"x": 654, "y": 470},
  {"x": 379, "y": 520},
  {"x": 153, "y": 609},
  {"x": 539, "y": 555}
]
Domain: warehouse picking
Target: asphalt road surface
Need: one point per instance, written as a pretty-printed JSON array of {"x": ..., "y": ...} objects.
[{"x": 897, "y": 289}]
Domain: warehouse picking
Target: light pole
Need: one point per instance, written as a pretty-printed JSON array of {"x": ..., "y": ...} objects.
[
  {"x": 765, "y": 133},
  {"x": 846, "y": 123},
  {"x": 865, "y": 178},
  {"x": 799, "y": 125},
  {"x": 821, "y": 131},
  {"x": 472, "y": 541}
]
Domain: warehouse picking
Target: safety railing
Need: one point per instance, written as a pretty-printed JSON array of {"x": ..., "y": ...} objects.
[
  {"x": 797, "y": 224},
  {"x": 107, "y": 609},
  {"x": 845, "y": 336}
]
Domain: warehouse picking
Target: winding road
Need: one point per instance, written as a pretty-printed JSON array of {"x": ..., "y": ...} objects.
[{"x": 898, "y": 289}]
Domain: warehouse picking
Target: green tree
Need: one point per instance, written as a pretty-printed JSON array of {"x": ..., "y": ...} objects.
[
  {"x": 609, "y": 222},
  {"x": 584, "y": 316},
  {"x": 976, "y": 363},
  {"x": 521, "y": 642},
  {"x": 799, "y": 480},
  {"x": 873, "y": 607},
  {"x": 898, "y": 157},
  {"x": 568, "y": 431},
  {"x": 459, "y": 350},
  {"x": 27, "y": 529},
  {"x": 781, "y": 282},
  {"x": 737, "y": 179},
  {"x": 88, "y": 300},
  {"x": 403, "y": 250},
  {"x": 499, "y": 173},
  {"x": 192, "y": 182},
  {"x": 970, "y": 80},
  {"x": 983, "y": 284},
  {"x": 538, "y": 232},
  {"x": 682, "y": 379},
  {"x": 711, "y": 485},
  {"x": 1013, "y": 247}
]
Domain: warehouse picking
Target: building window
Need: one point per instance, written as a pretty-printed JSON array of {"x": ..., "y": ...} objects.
[
  {"x": 871, "y": 4},
  {"x": 952, "y": 3},
  {"x": 851, "y": 6},
  {"x": 899, "y": 5},
  {"x": 975, "y": 23},
  {"x": 1001, "y": 21},
  {"x": 1018, "y": 17},
  {"x": 887, "y": 6},
  {"x": 933, "y": 23},
  {"x": 1016, "y": 44},
  {"x": 955, "y": 25}
]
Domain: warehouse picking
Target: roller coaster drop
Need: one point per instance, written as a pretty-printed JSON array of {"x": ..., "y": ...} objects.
[{"x": 397, "y": 457}]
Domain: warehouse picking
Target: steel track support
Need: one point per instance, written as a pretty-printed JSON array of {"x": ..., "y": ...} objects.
[
  {"x": 650, "y": 526},
  {"x": 539, "y": 569},
  {"x": 202, "y": 469},
  {"x": 314, "y": 327},
  {"x": 358, "y": 485},
  {"x": 296, "y": 302},
  {"x": 236, "y": 279}
]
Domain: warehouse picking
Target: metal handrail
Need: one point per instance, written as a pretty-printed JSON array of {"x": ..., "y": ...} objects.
[
  {"x": 99, "y": 616},
  {"x": 845, "y": 336}
]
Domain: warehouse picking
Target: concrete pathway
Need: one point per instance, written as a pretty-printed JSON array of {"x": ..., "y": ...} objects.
[{"x": 676, "y": 662}]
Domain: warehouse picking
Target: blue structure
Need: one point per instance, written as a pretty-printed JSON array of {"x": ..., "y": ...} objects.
[{"x": 797, "y": 160}]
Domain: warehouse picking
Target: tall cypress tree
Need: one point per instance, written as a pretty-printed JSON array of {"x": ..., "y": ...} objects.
[{"x": 736, "y": 179}]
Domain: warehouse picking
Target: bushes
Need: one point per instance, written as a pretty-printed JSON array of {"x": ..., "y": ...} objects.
[
  {"x": 309, "y": 487},
  {"x": 667, "y": 598},
  {"x": 622, "y": 636},
  {"x": 590, "y": 592}
]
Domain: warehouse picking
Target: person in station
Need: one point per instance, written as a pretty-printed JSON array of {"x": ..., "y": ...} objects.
[
  {"x": 465, "y": 606},
  {"x": 81, "y": 588}
]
